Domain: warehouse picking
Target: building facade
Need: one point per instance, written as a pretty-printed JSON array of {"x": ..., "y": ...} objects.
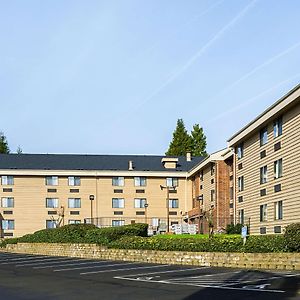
[
  {"x": 267, "y": 166},
  {"x": 212, "y": 182},
  {"x": 45, "y": 191}
]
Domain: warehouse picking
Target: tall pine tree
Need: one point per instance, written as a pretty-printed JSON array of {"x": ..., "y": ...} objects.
[
  {"x": 181, "y": 142},
  {"x": 3, "y": 144},
  {"x": 198, "y": 141}
]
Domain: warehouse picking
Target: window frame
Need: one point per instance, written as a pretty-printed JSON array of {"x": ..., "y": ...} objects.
[
  {"x": 141, "y": 201},
  {"x": 264, "y": 174},
  {"x": 278, "y": 168},
  {"x": 277, "y": 127},
  {"x": 120, "y": 200},
  {"x": 118, "y": 181},
  {"x": 76, "y": 181},
  {"x": 75, "y": 200},
  {"x": 240, "y": 151},
  {"x": 52, "y": 222},
  {"x": 9, "y": 180},
  {"x": 116, "y": 223},
  {"x": 174, "y": 203},
  {"x": 50, "y": 182},
  {"x": 12, "y": 199},
  {"x": 263, "y": 213},
  {"x": 173, "y": 181},
  {"x": 278, "y": 210},
  {"x": 241, "y": 184},
  {"x": 263, "y": 136},
  {"x": 51, "y": 199},
  {"x": 140, "y": 181}
]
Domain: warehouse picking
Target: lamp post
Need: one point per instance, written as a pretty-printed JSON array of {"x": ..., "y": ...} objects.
[
  {"x": 199, "y": 198},
  {"x": 146, "y": 206},
  {"x": 168, "y": 188},
  {"x": 92, "y": 198}
]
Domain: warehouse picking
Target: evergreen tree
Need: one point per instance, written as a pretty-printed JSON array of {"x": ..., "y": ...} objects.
[
  {"x": 3, "y": 144},
  {"x": 181, "y": 142},
  {"x": 198, "y": 141}
]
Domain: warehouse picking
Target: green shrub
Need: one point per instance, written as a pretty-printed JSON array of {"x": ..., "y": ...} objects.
[
  {"x": 292, "y": 237},
  {"x": 234, "y": 229},
  {"x": 265, "y": 243}
]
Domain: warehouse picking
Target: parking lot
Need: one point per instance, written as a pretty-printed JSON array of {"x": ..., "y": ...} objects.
[{"x": 44, "y": 277}]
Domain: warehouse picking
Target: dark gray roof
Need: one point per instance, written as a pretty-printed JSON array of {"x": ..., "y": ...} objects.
[{"x": 90, "y": 162}]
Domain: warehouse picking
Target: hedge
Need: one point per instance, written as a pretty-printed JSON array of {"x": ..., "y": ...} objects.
[
  {"x": 80, "y": 233},
  {"x": 135, "y": 237},
  {"x": 255, "y": 244}
]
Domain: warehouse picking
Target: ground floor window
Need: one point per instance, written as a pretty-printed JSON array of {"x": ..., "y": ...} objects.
[
  {"x": 50, "y": 224},
  {"x": 118, "y": 222}
]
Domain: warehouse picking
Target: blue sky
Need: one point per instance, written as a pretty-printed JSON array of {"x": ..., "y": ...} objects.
[{"x": 113, "y": 77}]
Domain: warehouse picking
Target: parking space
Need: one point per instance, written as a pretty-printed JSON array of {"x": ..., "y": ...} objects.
[{"x": 149, "y": 281}]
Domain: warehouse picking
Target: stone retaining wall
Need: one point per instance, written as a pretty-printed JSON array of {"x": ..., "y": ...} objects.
[{"x": 282, "y": 261}]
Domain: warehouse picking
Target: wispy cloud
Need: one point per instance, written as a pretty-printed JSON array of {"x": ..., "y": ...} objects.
[
  {"x": 257, "y": 68},
  {"x": 198, "y": 54},
  {"x": 251, "y": 100}
]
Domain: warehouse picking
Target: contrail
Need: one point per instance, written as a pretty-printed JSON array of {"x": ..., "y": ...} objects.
[
  {"x": 253, "y": 71},
  {"x": 252, "y": 99},
  {"x": 199, "y": 53}
]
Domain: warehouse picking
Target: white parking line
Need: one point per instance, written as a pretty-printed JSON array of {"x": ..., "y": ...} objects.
[
  {"x": 92, "y": 267},
  {"x": 44, "y": 263},
  {"x": 71, "y": 264},
  {"x": 31, "y": 261},
  {"x": 160, "y": 272},
  {"x": 126, "y": 269},
  {"x": 20, "y": 259}
]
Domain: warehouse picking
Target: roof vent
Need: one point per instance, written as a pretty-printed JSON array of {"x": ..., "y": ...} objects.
[
  {"x": 130, "y": 165},
  {"x": 169, "y": 162}
]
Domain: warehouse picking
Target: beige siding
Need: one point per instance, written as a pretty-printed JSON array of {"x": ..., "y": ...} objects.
[{"x": 290, "y": 181}]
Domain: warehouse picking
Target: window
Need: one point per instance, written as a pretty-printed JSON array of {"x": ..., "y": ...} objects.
[
  {"x": 212, "y": 169},
  {"x": 139, "y": 202},
  {"x": 139, "y": 181},
  {"x": 263, "y": 136},
  {"x": 241, "y": 216},
  {"x": 118, "y": 203},
  {"x": 201, "y": 175},
  {"x": 277, "y": 127},
  {"x": 278, "y": 210},
  {"x": 7, "y": 202},
  {"x": 263, "y": 213},
  {"x": 278, "y": 168},
  {"x": 51, "y": 202},
  {"x": 240, "y": 150},
  {"x": 118, "y": 181},
  {"x": 73, "y": 180},
  {"x": 173, "y": 203},
  {"x": 8, "y": 224},
  {"x": 74, "y": 221},
  {"x": 118, "y": 222},
  {"x": 50, "y": 224},
  {"x": 241, "y": 183},
  {"x": 171, "y": 181},
  {"x": 74, "y": 202},
  {"x": 263, "y": 174},
  {"x": 212, "y": 195},
  {"x": 7, "y": 180},
  {"x": 51, "y": 180}
]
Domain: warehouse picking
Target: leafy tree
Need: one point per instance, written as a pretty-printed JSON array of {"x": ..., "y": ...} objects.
[
  {"x": 181, "y": 142},
  {"x": 198, "y": 141},
  {"x": 3, "y": 144},
  {"x": 19, "y": 150}
]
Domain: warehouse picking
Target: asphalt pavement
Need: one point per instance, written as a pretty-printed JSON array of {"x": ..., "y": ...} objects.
[{"x": 45, "y": 277}]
